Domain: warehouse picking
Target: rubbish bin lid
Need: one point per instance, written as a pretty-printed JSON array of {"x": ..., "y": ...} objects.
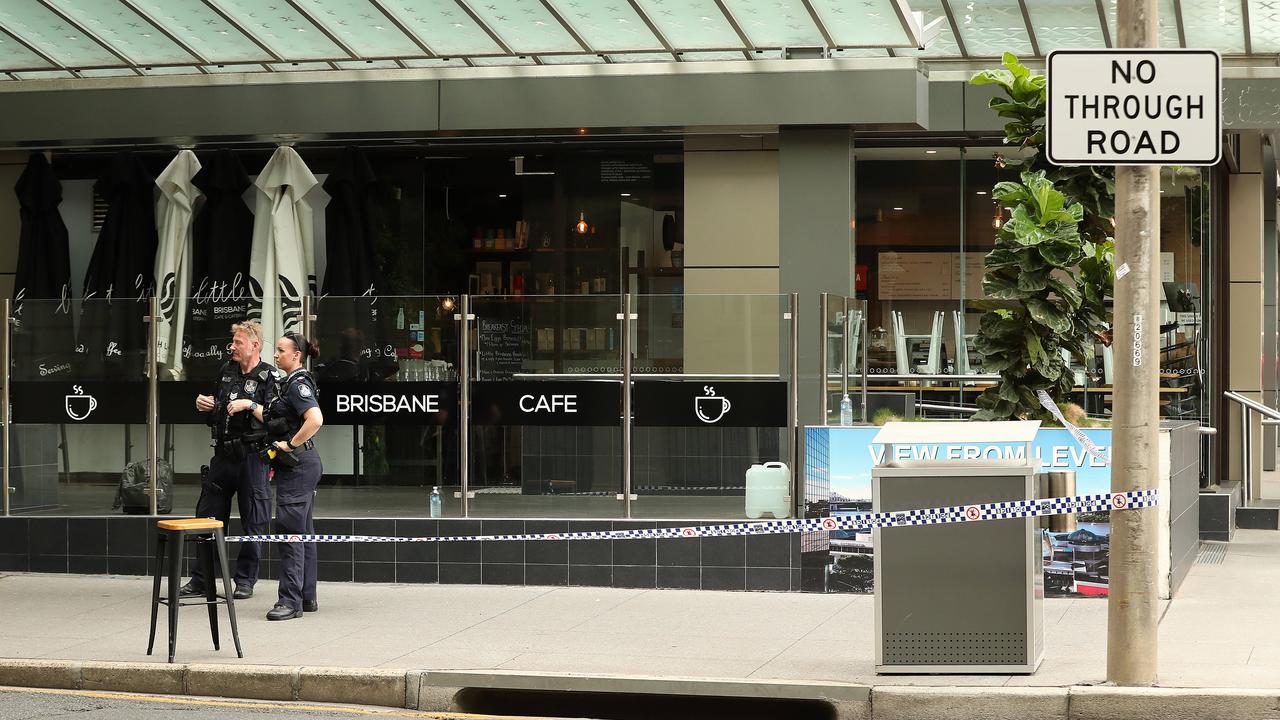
[{"x": 954, "y": 433}]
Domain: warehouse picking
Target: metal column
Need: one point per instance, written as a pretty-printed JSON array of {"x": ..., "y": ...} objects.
[
  {"x": 464, "y": 402},
  {"x": 4, "y": 403},
  {"x": 823, "y": 365},
  {"x": 866, "y": 350},
  {"x": 153, "y": 402},
  {"x": 793, "y": 393},
  {"x": 626, "y": 319},
  {"x": 1246, "y": 454}
]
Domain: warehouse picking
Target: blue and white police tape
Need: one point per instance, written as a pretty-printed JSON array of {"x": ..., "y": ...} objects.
[{"x": 857, "y": 522}]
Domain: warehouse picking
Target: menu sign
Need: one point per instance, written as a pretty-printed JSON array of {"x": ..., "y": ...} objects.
[
  {"x": 503, "y": 347},
  {"x": 930, "y": 275}
]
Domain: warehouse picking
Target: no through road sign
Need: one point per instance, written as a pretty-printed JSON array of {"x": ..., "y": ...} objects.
[{"x": 1134, "y": 107}]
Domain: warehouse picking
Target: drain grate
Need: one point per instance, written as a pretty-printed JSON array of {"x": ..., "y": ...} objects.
[{"x": 1211, "y": 553}]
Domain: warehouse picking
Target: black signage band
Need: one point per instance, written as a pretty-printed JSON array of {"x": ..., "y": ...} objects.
[
  {"x": 686, "y": 403},
  {"x": 79, "y": 402},
  {"x": 412, "y": 403},
  {"x": 530, "y": 402}
]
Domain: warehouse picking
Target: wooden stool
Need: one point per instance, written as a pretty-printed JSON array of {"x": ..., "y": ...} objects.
[{"x": 208, "y": 535}]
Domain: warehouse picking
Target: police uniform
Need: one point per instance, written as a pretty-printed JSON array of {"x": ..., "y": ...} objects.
[
  {"x": 295, "y": 490},
  {"x": 236, "y": 467}
]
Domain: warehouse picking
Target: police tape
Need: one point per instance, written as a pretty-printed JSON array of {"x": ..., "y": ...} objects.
[{"x": 1011, "y": 509}]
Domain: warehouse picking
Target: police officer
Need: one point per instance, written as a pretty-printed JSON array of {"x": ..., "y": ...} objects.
[
  {"x": 244, "y": 385},
  {"x": 297, "y": 473}
]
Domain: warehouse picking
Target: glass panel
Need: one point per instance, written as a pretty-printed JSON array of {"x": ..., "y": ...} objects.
[
  {"x": 109, "y": 72},
  {"x": 705, "y": 56},
  {"x": 79, "y": 396},
  {"x": 914, "y": 275},
  {"x": 526, "y": 26},
  {"x": 1213, "y": 24},
  {"x": 443, "y": 26},
  {"x": 1060, "y": 24},
  {"x": 835, "y": 333},
  {"x": 282, "y": 29},
  {"x": 1264, "y": 26},
  {"x": 572, "y": 60},
  {"x": 1183, "y": 243},
  {"x": 864, "y": 23},
  {"x": 235, "y": 68},
  {"x": 362, "y": 27},
  {"x": 710, "y": 403},
  {"x": 171, "y": 70},
  {"x": 124, "y": 30},
  {"x": 640, "y": 57},
  {"x": 14, "y": 54},
  {"x": 388, "y": 379},
  {"x": 42, "y": 28},
  {"x": 45, "y": 75},
  {"x": 501, "y": 61},
  {"x": 299, "y": 66},
  {"x": 203, "y": 29},
  {"x": 860, "y": 53},
  {"x": 614, "y": 26},
  {"x": 945, "y": 45},
  {"x": 546, "y": 431},
  {"x": 368, "y": 65},
  {"x": 436, "y": 63},
  {"x": 992, "y": 27},
  {"x": 1167, "y": 18},
  {"x": 691, "y": 23},
  {"x": 775, "y": 23}
]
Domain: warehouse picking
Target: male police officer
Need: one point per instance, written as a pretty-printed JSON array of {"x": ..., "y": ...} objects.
[{"x": 236, "y": 468}]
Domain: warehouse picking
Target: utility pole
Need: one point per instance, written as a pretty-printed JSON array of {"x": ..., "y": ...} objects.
[{"x": 1135, "y": 419}]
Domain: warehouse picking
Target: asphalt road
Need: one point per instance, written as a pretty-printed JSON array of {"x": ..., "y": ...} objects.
[{"x": 29, "y": 704}]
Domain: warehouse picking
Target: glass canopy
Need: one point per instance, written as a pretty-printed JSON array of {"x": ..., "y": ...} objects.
[{"x": 106, "y": 38}]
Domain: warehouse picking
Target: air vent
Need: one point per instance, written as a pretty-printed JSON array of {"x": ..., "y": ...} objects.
[{"x": 955, "y": 648}]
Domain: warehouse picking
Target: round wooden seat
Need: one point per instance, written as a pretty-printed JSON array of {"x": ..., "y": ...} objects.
[{"x": 189, "y": 524}]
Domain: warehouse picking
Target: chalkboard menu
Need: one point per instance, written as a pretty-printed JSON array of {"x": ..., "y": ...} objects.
[{"x": 503, "y": 347}]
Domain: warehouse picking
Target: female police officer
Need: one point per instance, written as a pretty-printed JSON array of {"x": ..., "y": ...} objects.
[{"x": 293, "y": 417}]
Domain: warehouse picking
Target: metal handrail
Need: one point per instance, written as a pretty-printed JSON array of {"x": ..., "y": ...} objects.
[
  {"x": 963, "y": 409},
  {"x": 1252, "y": 404},
  {"x": 932, "y": 376},
  {"x": 1246, "y": 436}
]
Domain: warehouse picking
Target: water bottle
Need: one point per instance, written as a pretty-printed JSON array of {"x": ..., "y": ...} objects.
[
  {"x": 846, "y": 411},
  {"x": 435, "y": 501}
]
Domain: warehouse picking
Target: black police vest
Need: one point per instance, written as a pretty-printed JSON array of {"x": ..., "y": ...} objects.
[
  {"x": 234, "y": 386},
  {"x": 281, "y": 408}
]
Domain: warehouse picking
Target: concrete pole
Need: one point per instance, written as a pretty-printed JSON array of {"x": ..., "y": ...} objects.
[{"x": 1132, "y": 605}]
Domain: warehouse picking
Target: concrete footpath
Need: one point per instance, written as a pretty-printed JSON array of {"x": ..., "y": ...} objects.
[{"x": 416, "y": 645}]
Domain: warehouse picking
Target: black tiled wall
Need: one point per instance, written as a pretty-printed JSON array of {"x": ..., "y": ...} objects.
[{"x": 124, "y": 546}]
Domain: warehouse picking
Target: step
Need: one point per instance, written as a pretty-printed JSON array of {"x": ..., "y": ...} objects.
[
  {"x": 1218, "y": 512},
  {"x": 1259, "y": 515}
]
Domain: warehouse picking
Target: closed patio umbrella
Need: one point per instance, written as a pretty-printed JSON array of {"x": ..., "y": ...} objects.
[
  {"x": 44, "y": 336},
  {"x": 221, "y": 240},
  {"x": 120, "y": 278},
  {"x": 282, "y": 262},
  {"x": 174, "y": 213}
]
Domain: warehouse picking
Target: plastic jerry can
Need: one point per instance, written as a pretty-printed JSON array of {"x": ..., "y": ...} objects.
[{"x": 769, "y": 490}]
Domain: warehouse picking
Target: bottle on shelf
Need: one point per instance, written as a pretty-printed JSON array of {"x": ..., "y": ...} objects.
[
  {"x": 435, "y": 501},
  {"x": 846, "y": 411}
]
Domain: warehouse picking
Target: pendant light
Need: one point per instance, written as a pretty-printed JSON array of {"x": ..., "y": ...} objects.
[{"x": 581, "y": 226}]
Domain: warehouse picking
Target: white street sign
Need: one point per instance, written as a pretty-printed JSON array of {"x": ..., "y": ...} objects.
[{"x": 1134, "y": 107}]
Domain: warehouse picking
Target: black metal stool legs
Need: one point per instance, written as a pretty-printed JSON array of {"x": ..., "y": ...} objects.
[
  {"x": 175, "y": 578},
  {"x": 155, "y": 590},
  {"x": 210, "y": 587},
  {"x": 221, "y": 547}
]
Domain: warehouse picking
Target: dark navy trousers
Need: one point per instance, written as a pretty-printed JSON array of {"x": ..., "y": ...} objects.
[
  {"x": 295, "y": 506},
  {"x": 247, "y": 480}
]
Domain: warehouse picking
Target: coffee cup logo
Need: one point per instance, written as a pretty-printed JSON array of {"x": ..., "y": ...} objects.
[
  {"x": 710, "y": 408},
  {"x": 79, "y": 406}
]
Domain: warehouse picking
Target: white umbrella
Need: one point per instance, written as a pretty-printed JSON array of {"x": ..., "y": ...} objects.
[
  {"x": 282, "y": 263},
  {"x": 174, "y": 211}
]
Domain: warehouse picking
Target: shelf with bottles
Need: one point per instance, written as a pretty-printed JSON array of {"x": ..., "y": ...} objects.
[{"x": 575, "y": 341}]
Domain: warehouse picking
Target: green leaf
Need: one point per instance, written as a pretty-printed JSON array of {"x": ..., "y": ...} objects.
[
  {"x": 1034, "y": 348},
  {"x": 1032, "y": 282},
  {"x": 1047, "y": 314},
  {"x": 1067, "y": 291},
  {"x": 1061, "y": 254}
]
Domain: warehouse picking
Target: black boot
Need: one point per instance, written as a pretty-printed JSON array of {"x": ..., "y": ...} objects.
[{"x": 310, "y": 605}]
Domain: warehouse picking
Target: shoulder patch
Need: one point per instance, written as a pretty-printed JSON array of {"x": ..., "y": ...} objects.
[
  {"x": 304, "y": 390},
  {"x": 277, "y": 374},
  {"x": 263, "y": 375}
]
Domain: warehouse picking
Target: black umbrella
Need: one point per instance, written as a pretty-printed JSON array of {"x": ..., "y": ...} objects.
[
  {"x": 119, "y": 280},
  {"x": 350, "y": 329},
  {"x": 44, "y": 336},
  {"x": 222, "y": 238}
]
